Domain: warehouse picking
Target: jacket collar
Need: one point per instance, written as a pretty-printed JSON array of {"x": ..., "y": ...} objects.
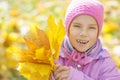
[{"x": 96, "y": 52}]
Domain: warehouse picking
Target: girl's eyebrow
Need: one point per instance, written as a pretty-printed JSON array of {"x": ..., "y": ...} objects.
[
  {"x": 76, "y": 23},
  {"x": 93, "y": 24}
]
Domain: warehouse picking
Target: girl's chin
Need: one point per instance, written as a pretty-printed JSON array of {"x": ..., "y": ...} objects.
[{"x": 83, "y": 51}]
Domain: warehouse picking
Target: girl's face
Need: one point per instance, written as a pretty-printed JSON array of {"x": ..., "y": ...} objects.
[{"x": 83, "y": 32}]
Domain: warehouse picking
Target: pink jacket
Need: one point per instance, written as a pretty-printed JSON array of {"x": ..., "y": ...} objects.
[{"x": 99, "y": 67}]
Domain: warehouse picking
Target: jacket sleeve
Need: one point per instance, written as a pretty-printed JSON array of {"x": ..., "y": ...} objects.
[
  {"x": 78, "y": 75},
  {"x": 74, "y": 75},
  {"x": 108, "y": 70}
]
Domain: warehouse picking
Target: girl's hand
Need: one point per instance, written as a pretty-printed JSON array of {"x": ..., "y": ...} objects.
[{"x": 61, "y": 72}]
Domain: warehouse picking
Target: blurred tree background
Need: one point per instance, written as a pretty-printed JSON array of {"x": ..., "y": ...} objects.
[{"x": 17, "y": 17}]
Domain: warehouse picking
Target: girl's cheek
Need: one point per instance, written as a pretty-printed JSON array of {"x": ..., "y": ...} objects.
[{"x": 75, "y": 31}]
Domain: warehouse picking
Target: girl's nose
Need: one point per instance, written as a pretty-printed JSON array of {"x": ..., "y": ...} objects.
[{"x": 83, "y": 32}]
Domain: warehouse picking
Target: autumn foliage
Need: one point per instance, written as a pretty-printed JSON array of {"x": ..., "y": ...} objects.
[{"x": 37, "y": 61}]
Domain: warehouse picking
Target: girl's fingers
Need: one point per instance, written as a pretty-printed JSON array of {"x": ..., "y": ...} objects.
[
  {"x": 57, "y": 65},
  {"x": 62, "y": 75},
  {"x": 61, "y": 72},
  {"x": 62, "y": 68}
]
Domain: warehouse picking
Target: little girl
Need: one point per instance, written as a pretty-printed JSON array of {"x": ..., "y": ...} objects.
[{"x": 82, "y": 56}]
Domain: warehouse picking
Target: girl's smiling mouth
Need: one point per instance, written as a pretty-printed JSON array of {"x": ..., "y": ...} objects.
[{"x": 81, "y": 41}]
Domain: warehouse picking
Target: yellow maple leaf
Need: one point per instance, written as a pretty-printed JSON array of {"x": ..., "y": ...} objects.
[
  {"x": 37, "y": 62},
  {"x": 55, "y": 34}
]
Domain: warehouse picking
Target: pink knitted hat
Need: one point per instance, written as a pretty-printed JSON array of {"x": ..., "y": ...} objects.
[{"x": 91, "y": 7}]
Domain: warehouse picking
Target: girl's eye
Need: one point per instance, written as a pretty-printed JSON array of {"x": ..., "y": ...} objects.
[
  {"x": 92, "y": 27},
  {"x": 76, "y": 26}
]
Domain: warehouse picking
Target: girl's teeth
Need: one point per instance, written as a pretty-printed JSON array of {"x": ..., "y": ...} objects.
[{"x": 82, "y": 42}]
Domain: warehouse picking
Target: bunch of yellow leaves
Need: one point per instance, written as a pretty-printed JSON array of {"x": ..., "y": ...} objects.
[{"x": 37, "y": 61}]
